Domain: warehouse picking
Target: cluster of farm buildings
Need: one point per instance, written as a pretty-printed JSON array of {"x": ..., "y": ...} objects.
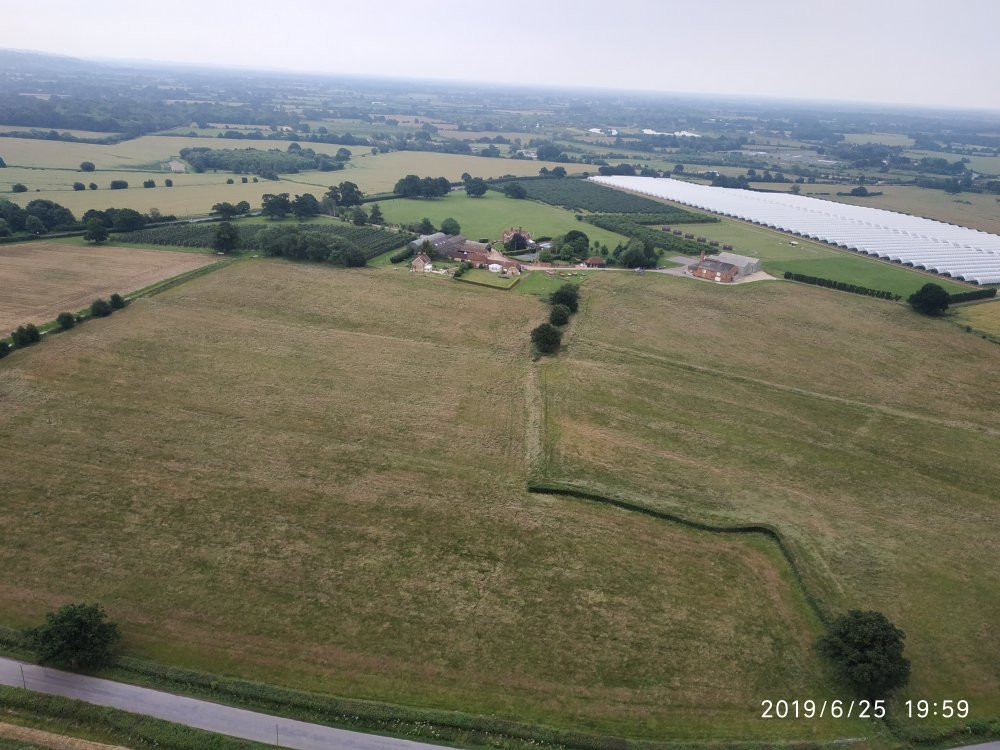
[{"x": 726, "y": 267}]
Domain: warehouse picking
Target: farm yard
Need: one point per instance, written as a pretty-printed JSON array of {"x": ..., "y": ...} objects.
[{"x": 42, "y": 279}]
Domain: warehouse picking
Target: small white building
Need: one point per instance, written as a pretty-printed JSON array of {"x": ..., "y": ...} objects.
[{"x": 494, "y": 267}]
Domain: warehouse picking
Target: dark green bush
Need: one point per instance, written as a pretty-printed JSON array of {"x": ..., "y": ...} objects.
[
  {"x": 117, "y": 301},
  {"x": 75, "y": 635},
  {"x": 568, "y": 295},
  {"x": 4, "y": 349},
  {"x": 65, "y": 320},
  {"x": 546, "y": 338},
  {"x": 100, "y": 308},
  {"x": 26, "y": 335},
  {"x": 559, "y": 315}
]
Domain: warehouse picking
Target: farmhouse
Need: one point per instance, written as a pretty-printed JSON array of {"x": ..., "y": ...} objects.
[
  {"x": 421, "y": 264},
  {"x": 715, "y": 270},
  {"x": 595, "y": 262}
]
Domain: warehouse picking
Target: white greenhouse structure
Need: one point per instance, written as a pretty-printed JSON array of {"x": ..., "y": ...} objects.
[{"x": 946, "y": 249}]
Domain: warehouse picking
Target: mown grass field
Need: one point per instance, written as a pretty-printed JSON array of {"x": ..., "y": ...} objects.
[
  {"x": 815, "y": 259},
  {"x": 863, "y": 432},
  {"x": 316, "y": 477},
  {"x": 42, "y": 279},
  {"x": 489, "y": 216},
  {"x": 983, "y": 317}
]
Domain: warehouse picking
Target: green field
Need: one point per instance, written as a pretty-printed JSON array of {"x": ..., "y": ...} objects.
[
  {"x": 489, "y": 216},
  {"x": 484, "y": 278},
  {"x": 352, "y": 515},
  {"x": 814, "y": 259},
  {"x": 823, "y": 415}
]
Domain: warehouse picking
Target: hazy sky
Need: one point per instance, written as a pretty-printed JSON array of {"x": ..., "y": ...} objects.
[{"x": 894, "y": 51}]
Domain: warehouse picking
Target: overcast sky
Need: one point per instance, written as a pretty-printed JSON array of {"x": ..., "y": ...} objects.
[{"x": 894, "y": 51}]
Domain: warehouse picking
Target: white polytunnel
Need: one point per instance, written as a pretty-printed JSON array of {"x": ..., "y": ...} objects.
[{"x": 960, "y": 252}]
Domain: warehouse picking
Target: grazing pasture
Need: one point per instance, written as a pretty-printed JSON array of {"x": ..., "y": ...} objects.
[
  {"x": 352, "y": 516},
  {"x": 863, "y": 432},
  {"x": 42, "y": 279},
  {"x": 983, "y": 317}
]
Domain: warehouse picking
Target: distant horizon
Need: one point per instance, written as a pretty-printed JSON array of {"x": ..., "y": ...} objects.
[
  {"x": 223, "y": 67},
  {"x": 893, "y": 53}
]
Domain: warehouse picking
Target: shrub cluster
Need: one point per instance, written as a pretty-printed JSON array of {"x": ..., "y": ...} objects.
[
  {"x": 841, "y": 286},
  {"x": 28, "y": 334},
  {"x": 565, "y": 301},
  {"x": 405, "y": 254},
  {"x": 289, "y": 242}
]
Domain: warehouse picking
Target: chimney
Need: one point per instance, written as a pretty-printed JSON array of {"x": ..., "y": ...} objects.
[{"x": 701, "y": 257}]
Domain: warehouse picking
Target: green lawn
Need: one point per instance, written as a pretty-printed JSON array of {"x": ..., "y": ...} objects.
[
  {"x": 482, "y": 277},
  {"x": 489, "y": 216},
  {"x": 543, "y": 284}
]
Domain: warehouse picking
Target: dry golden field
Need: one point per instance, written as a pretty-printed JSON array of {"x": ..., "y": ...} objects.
[{"x": 42, "y": 279}]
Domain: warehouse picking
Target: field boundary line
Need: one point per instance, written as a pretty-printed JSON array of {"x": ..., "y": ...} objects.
[
  {"x": 736, "y": 377},
  {"x": 768, "y": 531}
]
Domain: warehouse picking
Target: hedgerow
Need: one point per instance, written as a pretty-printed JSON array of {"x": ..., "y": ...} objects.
[
  {"x": 969, "y": 296},
  {"x": 841, "y": 286}
]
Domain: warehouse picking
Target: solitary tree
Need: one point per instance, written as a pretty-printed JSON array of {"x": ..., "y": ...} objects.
[
  {"x": 476, "y": 187},
  {"x": 76, "y": 635},
  {"x": 867, "y": 651},
  {"x": 275, "y": 206},
  {"x": 116, "y": 301},
  {"x": 87, "y": 166},
  {"x": 930, "y": 299},
  {"x": 546, "y": 338},
  {"x": 226, "y": 237},
  {"x": 96, "y": 232},
  {"x": 19, "y": 187},
  {"x": 376, "y": 215},
  {"x": 450, "y": 226},
  {"x": 426, "y": 226},
  {"x": 65, "y": 320}
]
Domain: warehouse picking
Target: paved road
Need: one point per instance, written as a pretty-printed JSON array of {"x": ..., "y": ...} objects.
[
  {"x": 984, "y": 746},
  {"x": 214, "y": 717}
]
